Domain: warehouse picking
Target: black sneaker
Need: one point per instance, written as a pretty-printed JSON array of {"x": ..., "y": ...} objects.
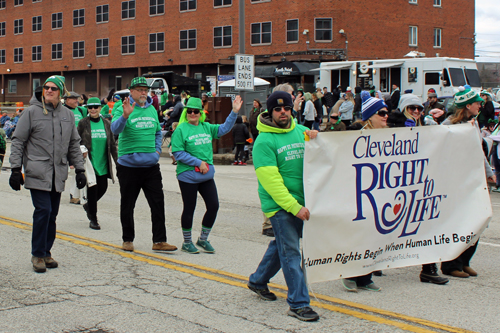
[
  {"x": 304, "y": 314},
  {"x": 268, "y": 232},
  {"x": 265, "y": 294}
]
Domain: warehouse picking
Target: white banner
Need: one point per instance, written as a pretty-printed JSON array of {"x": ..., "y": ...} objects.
[{"x": 391, "y": 198}]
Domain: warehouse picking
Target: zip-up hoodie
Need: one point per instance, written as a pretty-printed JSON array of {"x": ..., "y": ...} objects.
[
  {"x": 278, "y": 157},
  {"x": 133, "y": 151}
]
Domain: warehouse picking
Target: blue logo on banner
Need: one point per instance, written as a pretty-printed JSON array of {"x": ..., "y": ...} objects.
[{"x": 414, "y": 201}]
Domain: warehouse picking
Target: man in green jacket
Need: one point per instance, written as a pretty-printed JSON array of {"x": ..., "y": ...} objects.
[{"x": 278, "y": 159}]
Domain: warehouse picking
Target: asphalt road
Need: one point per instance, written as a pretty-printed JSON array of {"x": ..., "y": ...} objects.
[{"x": 100, "y": 288}]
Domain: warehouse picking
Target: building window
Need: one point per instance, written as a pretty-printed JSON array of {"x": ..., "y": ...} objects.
[
  {"x": 128, "y": 9},
  {"x": 2, "y": 4},
  {"x": 187, "y": 39},
  {"x": 413, "y": 1},
  {"x": 36, "y": 23},
  {"x": 18, "y": 55},
  {"x": 292, "y": 31},
  {"x": 437, "y": 37},
  {"x": 2, "y": 29},
  {"x": 186, "y": 5},
  {"x": 102, "y": 14},
  {"x": 156, "y": 7},
  {"x": 259, "y": 1},
  {"x": 37, "y": 1},
  {"x": 323, "y": 29},
  {"x": 36, "y": 53},
  {"x": 18, "y": 2},
  {"x": 2, "y": 56},
  {"x": 222, "y": 3},
  {"x": 261, "y": 33},
  {"x": 79, "y": 49},
  {"x": 57, "y": 51},
  {"x": 157, "y": 42},
  {"x": 223, "y": 36},
  {"x": 102, "y": 47},
  {"x": 57, "y": 20},
  {"x": 18, "y": 27},
  {"x": 78, "y": 17},
  {"x": 12, "y": 86},
  {"x": 128, "y": 45},
  {"x": 413, "y": 36},
  {"x": 437, "y": 3}
]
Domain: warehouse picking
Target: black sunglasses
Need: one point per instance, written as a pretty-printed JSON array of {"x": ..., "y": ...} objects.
[
  {"x": 195, "y": 111},
  {"x": 90, "y": 107},
  {"x": 278, "y": 108},
  {"x": 415, "y": 107},
  {"x": 51, "y": 88},
  {"x": 382, "y": 113}
]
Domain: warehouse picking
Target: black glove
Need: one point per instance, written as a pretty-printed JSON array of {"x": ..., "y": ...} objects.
[
  {"x": 81, "y": 180},
  {"x": 16, "y": 179}
]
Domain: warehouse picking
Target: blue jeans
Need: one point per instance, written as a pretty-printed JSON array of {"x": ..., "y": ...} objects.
[
  {"x": 44, "y": 221},
  {"x": 316, "y": 125},
  {"x": 284, "y": 252}
]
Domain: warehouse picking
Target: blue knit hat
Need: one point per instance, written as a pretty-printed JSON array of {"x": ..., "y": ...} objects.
[{"x": 370, "y": 105}]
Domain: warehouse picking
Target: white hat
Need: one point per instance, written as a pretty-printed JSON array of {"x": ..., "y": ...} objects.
[{"x": 409, "y": 99}]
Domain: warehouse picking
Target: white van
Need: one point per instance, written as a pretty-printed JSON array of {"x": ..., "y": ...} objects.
[
  {"x": 443, "y": 74},
  {"x": 154, "y": 84}
]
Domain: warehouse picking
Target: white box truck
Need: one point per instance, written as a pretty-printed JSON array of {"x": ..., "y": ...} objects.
[{"x": 443, "y": 74}]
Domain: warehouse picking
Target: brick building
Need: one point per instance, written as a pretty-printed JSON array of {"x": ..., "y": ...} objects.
[{"x": 100, "y": 45}]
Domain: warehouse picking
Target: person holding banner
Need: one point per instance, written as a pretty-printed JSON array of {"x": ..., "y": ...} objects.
[
  {"x": 468, "y": 104},
  {"x": 278, "y": 160},
  {"x": 374, "y": 114},
  {"x": 410, "y": 116}
]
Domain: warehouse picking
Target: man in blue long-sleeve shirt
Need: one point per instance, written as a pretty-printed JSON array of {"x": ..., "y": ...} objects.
[{"x": 139, "y": 148}]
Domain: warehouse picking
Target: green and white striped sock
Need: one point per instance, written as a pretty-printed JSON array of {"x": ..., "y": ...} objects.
[
  {"x": 187, "y": 235},
  {"x": 204, "y": 233}
]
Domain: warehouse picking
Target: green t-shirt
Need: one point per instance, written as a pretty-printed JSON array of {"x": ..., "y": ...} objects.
[
  {"x": 195, "y": 140},
  {"x": 98, "y": 155},
  {"x": 116, "y": 106},
  {"x": 286, "y": 152},
  {"x": 139, "y": 133},
  {"x": 83, "y": 110},
  {"x": 105, "y": 110},
  {"x": 78, "y": 115},
  {"x": 163, "y": 98}
]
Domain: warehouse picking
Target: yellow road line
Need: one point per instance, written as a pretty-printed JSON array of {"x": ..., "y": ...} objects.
[{"x": 140, "y": 256}]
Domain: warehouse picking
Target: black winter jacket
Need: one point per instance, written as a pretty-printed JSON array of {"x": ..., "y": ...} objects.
[{"x": 240, "y": 132}]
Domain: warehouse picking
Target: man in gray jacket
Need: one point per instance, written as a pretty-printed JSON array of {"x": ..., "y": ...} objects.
[{"x": 45, "y": 143}]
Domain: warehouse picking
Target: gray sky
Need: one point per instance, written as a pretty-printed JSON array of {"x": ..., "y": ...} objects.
[{"x": 488, "y": 30}]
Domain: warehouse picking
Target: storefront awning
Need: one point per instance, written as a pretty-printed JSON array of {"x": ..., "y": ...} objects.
[
  {"x": 264, "y": 71},
  {"x": 289, "y": 68},
  {"x": 331, "y": 67},
  {"x": 388, "y": 64}
]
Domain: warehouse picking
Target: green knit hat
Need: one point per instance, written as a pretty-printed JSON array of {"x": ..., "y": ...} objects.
[
  {"x": 194, "y": 103},
  {"x": 487, "y": 93},
  {"x": 465, "y": 97},
  {"x": 59, "y": 81},
  {"x": 94, "y": 101}
]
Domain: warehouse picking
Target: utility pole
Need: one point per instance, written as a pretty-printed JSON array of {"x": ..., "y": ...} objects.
[{"x": 241, "y": 41}]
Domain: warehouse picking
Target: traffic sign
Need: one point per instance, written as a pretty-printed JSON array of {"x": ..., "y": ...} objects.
[{"x": 244, "y": 69}]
